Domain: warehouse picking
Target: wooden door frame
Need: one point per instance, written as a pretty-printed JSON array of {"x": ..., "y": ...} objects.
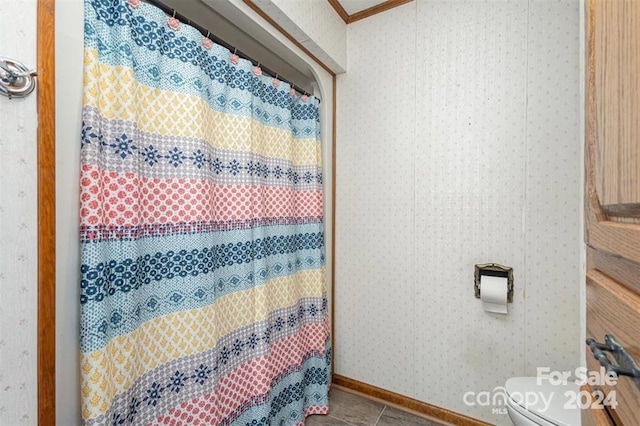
[{"x": 46, "y": 213}]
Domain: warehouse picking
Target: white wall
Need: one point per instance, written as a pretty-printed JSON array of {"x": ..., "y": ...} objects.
[
  {"x": 69, "y": 68},
  {"x": 315, "y": 24},
  {"x": 18, "y": 226},
  {"x": 458, "y": 143},
  {"x": 69, "y": 65}
]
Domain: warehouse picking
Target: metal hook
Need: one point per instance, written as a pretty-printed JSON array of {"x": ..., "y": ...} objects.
[{"x": 16, "y": 80}]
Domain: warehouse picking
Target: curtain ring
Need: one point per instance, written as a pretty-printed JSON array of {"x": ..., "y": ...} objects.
[
  {"x": 173, "y": 22},
  {"x": 234, "y": 57},
  {"x": 206, "y": 42},
  {"x": 256, "y": 70},
  {"x": 276, "y": 82}
]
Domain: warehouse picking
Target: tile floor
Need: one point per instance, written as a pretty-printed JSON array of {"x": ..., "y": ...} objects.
[{"x": 347, "y": 409}]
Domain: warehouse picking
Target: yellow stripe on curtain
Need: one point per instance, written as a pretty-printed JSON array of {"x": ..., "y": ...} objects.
[
  {"x": 117, "y": 95},
  {"x": 184, "y": 333}
]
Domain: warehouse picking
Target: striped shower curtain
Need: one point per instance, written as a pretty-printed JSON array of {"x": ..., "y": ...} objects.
[{"x": 202, "y": 280}]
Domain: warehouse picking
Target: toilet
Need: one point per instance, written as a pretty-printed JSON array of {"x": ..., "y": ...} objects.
[{"x": 530, "y": 403}]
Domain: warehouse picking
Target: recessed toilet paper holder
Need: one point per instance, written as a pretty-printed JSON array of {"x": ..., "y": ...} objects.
[{"x": 495, "y": 270}]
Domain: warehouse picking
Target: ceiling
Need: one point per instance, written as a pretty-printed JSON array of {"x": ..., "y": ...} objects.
[
  {"x": 355, "y": 10},
  {"x": 354, "y": 6}
]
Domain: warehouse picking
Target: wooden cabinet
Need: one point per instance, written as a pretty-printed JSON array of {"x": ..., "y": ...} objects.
[{"x": 612, "y": 197}]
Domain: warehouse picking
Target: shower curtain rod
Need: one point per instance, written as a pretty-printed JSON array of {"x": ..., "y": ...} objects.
[{"x": 206, "y": 33}]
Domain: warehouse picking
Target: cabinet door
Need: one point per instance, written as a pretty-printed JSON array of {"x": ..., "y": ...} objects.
[
  {"x": 617, "y": 105},
  {"x": 612, "y": 189}
]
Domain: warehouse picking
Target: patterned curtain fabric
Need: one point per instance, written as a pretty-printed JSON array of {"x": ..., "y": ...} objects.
[{"x": 202, "y": 291}]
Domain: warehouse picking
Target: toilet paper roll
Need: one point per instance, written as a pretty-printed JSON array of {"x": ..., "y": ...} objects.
[{"x": 493, "y": 293}]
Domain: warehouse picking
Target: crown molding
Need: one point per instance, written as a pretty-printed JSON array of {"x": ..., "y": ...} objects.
[{"x": 339, "y": 10}]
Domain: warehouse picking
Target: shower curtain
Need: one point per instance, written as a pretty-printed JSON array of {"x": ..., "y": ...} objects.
[{"x": 202, "y": 248}]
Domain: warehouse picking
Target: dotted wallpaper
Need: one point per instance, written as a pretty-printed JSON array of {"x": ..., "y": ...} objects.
[
  {"x": 553, "y": 144},
  {"x": 470, "y": 200},
  {"x": 315, "y": 24},
  {"x": 18, "y": 226},
  {"x": 328, "y": 29},
  {"x": 375, "y": 262},
  {"x": 458, "y": 143}
]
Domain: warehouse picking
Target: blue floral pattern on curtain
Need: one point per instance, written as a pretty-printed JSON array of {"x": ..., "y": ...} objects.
[{"x": 203, "y": 296}]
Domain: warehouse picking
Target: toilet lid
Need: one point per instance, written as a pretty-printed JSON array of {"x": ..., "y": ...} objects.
[{"x": 546, "y": 400}]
